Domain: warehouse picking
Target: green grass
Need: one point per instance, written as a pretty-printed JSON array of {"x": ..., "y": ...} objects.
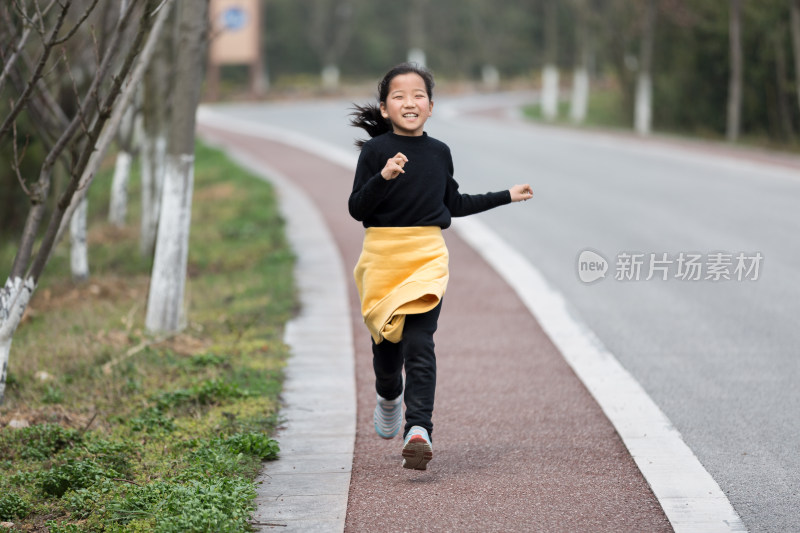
[{"x": 130, "y": 434}]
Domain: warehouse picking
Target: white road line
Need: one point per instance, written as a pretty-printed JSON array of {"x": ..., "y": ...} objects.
[{"x": 691, "y": 499}]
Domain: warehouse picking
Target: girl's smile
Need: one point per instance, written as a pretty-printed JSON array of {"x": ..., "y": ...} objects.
[{"x": 407, "y": 106}]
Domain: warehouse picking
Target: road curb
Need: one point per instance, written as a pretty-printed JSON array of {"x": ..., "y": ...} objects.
[{"x": 306, "y": 489}]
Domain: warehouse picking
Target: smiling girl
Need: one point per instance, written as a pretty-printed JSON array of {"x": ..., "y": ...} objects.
[{"x": 405, "y": 195}]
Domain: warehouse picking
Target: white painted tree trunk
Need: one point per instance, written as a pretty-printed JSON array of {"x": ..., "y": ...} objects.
[
  {"x": 580, "y": 95},
  {"x": 550, "y": 92},
  {"x": 153, "y": 154},
  {"x": 643, "y": 109},
  {"x": 165, "y": 312},
  {"x": 14, "y": 298},
  {"x": 490, "y": 77},
  {"x": 118, "y": 208},
  {"x": 330, "y": 77},
  {"x": 165, "y": 303},
  {"x": 417, "y": 55},
  {"x": 78, "y": 246}
]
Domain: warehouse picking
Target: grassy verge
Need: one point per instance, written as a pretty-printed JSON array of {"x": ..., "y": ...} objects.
[
  {"x": 107, "y": 429},
  {"x": 605, "y": 110}
]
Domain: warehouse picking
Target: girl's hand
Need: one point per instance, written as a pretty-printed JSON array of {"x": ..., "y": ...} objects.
[
  {"x": 520, "y": 193},
  {"x": 394, "y": 166}
]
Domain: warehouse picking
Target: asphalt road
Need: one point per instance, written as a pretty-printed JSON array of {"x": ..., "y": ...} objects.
[{"x": 720, "y": 358}]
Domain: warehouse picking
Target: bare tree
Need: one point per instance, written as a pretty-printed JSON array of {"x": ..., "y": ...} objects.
[
  {"x": 795, "y": 28},
  {"x": 168, "y": 280},
  {"x": 86, "y": 126},
  {"x": 416, "y": 32},
  {"x": 550, "y": 70},
  {"x": 735, "y": 83},
  {"x": 330, "y": 29},
  {"x": 643, "y": 107},
  {"x": 580, "y": 79}
]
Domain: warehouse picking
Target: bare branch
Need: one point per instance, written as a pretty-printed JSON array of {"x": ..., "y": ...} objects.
[
  {"x": 17, "y": 159},
  {"x": 42, "y": 186},
  {"x": 80, "y": 114},
  {"x": 48, "y": 47},
  {"x": 15, "y": 54},
  {"x": 94, "y": 148},
  {"x": 108, "y": 134},
  {"x": 81, "y": 20}
]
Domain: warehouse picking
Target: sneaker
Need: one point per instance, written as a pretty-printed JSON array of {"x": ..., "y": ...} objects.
[
  {"x": 388, "y": 416},
  {"x": 417, "y": 449}
]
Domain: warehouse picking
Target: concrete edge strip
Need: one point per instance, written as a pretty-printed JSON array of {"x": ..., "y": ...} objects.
[
  {"x": 689, "y": 496},
  {"x": 321, "y": 343},
  {"x": 691, "y": 499}
]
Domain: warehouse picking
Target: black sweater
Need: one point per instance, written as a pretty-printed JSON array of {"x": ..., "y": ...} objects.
[{"x": 425, "y": 195}]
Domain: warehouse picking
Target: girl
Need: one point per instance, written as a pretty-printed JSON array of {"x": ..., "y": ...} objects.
[{"x": 404, "y": 194}]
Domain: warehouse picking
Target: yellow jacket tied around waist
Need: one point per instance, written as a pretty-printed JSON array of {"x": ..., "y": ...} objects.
[{"x": 401, "y": 271}]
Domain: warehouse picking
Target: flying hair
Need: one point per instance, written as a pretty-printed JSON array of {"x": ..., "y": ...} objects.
[{"x": 368, "y": 117}]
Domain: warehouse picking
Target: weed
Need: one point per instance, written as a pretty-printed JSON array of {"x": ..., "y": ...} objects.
[
  {"x": 38, "y": 442},
  {"x": 208, "y": 359},
  {"x": 74, "y": 474},
  {"x": 12, "y": 506},
  {"x": 152, "y": 420},
  {"x": 52, "y": 395},
  {"x": 256, "y": 444}
]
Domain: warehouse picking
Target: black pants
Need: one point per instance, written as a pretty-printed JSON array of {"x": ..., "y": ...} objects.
[{"x": 415, "y": 351}]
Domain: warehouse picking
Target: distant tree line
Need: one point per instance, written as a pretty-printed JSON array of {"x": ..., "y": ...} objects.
[{"x": 686, "y": 45}]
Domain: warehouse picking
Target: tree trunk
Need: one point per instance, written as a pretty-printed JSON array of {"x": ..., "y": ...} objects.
[
  {"x": 153, "y": 154},
  {"x": 580, "y": 79},
  {"x": 795, "y": 25},
  {"x": 643, "y": 110},
  {"x": 155, "y": 117},
  {"x": 490, "y": 77},
  {"x": 781, "y": 84},
  {"x": 735, "y": 83},
  {"x": 550, "y": 70},
  {"x": 416, "y": 32},
  {"x": 580, "y": 95},
  {"x": 14, "y": 298},
  {"x": 330, "y": 77},
  {"x": 167, "y": 284},
  {"x": 78, "y": 246},
  {"x": 550, "y": 92},
  {"x": 118, "y": 206}
]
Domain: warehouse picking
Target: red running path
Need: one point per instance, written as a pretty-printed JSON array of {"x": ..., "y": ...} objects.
[{"x": 519, "y": 443}]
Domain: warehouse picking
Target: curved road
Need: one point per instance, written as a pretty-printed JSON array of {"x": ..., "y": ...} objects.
[{"x": 720, "y": 358}]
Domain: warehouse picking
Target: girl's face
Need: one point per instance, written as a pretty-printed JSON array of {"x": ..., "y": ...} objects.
[{"x": 407, "y": 105}]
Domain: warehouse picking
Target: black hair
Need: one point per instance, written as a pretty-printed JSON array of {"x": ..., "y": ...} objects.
[{"x": 368, "y": 117}]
